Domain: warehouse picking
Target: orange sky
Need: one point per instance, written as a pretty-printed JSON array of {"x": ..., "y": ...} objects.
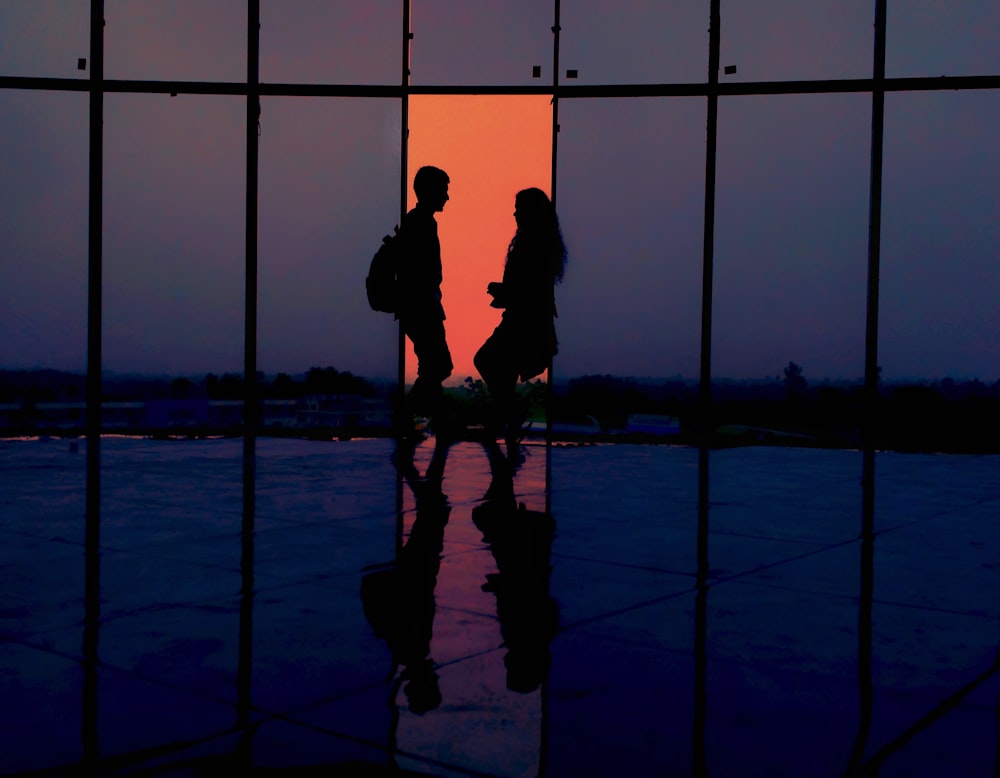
[{"x": 491, "y": 146}]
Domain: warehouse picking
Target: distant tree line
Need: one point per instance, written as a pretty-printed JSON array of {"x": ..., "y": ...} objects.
[
  {"x": 37, "y": 386},
  {"x": 612, "y": 399},
  {"x": 941, "y": 415}
]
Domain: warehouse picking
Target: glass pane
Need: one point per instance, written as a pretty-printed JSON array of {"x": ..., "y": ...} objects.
[
  {"x": 942, "y": 38},
  {"x": 174, "y": 256},
  {"x": 329, "y": 191},
  {"x": 178, "y": 40},
  {"x": 791, "y": 245},
  {"x": 938, "y": 316},
  {"x": 778, "y": 40},
  {"x": 44, "y": 37},
  {"x": 457, "y": 42},
  {"x": 491, "y": 146},
  {"x": 43, "y": 274},
  {"x": 631, "y": 201},
  {"x": 634, "y": 42},
  {"x": 43, "y": 350},
  {"x": 342, "y": 42}
]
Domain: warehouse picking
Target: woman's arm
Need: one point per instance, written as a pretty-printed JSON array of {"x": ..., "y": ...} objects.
[{"x": 497, "y": 290}]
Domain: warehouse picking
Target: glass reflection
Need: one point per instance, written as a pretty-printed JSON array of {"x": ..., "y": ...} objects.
[
  {"x": 174, "y": 234},
  {"x": 633, "y": 43},
  {"x": 942, "y": 38},
  {"x": 791, "y": 237},
  {"x": 43, "y": 236},
  {"x": 333, "y": 43},
  {"x": 456, "y": 42},
  {"x": 787, "y": 40},
  {"x": 175, "y": 40},
  {"x": 939, "y": 274},
  {"x": 45, "y": 38},
  {"x": 329, "y": 191},
  {"x": 630, "y": 201}
]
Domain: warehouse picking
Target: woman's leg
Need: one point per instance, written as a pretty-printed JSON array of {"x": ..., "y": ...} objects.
[{"x": 495, "y": 363}]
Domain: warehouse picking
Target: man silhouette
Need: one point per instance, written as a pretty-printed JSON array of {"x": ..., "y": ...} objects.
[{"x": 420, "y": 311}]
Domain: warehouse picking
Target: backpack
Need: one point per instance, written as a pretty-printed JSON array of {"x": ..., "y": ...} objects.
[{"x": 381, "y": 280}]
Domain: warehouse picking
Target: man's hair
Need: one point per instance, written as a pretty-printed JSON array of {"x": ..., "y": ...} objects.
[{"x": 429, "y": 179}]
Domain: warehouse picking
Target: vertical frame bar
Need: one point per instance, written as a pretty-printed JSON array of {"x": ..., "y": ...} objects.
[
  {"x": 250, "y": 405},
  {"x": 874, "y": 222},
  {"x": 404, "y": 146},
  {"x": 867, "y": 563},
  {"x": 699, "y": 753},
  {"x": 549, "y": 388},
  {"x": 556, "y": 30},
  {"x": 94, "y": 280},
  {"x": 543, "y": 754},
  {"x": 866, "y": 598},
  {"x": 403, "y": 183},
  {"x": 92, "y": 596},
  {"x": 705, "y": 378},
  {"x": 250, "y": 388}
]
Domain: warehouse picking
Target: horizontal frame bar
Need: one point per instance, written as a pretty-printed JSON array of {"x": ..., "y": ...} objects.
[{"x": 916, "y": 84}]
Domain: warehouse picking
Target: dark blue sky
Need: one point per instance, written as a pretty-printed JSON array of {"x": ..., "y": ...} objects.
[{"x": 792, "y": 196}]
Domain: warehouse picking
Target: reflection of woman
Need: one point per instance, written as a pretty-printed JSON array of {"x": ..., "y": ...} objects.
[
  {"x": 525, "y": 340},
  {"x": 521, "y": 543}
]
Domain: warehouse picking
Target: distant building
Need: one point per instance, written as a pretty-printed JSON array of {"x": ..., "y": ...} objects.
[
  {"x": 653, "y": 424},
  {"x": 199, "y": 415},
  {"x": 176, "y": 414}
]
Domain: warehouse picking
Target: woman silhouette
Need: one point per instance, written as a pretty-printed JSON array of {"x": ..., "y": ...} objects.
[{"x": 524, "y": 342}]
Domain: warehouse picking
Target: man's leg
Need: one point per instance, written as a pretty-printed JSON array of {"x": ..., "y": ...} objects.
[{"x": 434, "y": 365}]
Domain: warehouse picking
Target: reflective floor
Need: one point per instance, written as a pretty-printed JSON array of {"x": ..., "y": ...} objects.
[{"x": 612, "y": 610}]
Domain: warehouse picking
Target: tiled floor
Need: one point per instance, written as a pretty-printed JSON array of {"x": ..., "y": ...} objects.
[{"x": 741, "y": 612}]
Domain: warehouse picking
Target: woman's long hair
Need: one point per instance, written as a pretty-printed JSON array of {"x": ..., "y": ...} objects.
[{"x": 538, "y": 231}]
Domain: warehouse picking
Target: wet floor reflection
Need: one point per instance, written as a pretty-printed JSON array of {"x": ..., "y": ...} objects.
[
  {"x": 521, "y": 543},
  {"x": 855, "y": 764},
  {"x": 468, "y": 631},
  {"x": 399, "y": 599},
  {"x": 443, "y": 658}
]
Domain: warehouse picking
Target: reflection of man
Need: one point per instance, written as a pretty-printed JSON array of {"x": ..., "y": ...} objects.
[
  {"x": 420, "y": 311},
  {"x": 399, "y": 600}
]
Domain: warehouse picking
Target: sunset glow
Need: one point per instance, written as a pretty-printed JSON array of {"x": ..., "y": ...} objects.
[{"x": 491, "y": 147}]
